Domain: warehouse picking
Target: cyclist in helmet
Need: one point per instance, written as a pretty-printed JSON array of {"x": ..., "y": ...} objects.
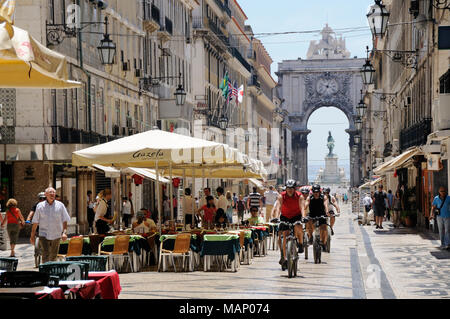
[
  {"x": 317, "y": 204},
  {"x": 333, "y": 206},
  {"x": 290, "y": 205}
]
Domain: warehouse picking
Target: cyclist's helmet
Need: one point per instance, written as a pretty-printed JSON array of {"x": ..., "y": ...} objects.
[
  {"x": 327, "y": 190},
  {"x": 305, "y": 190},
  {"x": 316, "y": 188},
  {"x": 291, "y": 184}
]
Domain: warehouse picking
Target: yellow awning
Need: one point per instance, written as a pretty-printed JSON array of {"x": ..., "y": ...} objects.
[
  {"x": 402, "y": 159},
  {"x": 26, "y": 63},
  {"x": 365, "y": 185},
  {"x": 257, "y": 183},
  {"x": 377, "y": 181}
]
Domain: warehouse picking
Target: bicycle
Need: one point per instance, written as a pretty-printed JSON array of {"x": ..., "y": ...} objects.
[
  {"x": 330, "y": 231},
  {"x": 292, "y": 255},
  {"x": 317, "y": 247}
]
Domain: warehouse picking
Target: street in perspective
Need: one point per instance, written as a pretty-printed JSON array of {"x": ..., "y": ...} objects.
[{"x": 224, "y": 150}]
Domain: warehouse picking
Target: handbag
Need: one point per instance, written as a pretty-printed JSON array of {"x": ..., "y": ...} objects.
[{"x": 437, "y": 211}]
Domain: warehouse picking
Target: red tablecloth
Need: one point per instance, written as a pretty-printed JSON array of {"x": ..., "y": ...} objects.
[
  {"x": 109, "y": 283},
  {"x": 51, "y": 293},
  {"x": 83, "y": 289}
]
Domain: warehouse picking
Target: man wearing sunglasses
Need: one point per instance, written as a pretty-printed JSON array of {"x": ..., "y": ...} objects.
[
  {"x": 441, "y": 211},
  {"x": 317, "y": 204},
  {"x": 290, "y": 205}
]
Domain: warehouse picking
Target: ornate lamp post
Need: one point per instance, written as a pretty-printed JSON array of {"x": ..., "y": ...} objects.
[{"x": 378, "y": 17}]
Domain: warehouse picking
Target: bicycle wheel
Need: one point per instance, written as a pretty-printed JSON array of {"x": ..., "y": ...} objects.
[
  {"x": 305, "y": 245},
  {"x": 290, "y": 257},
  {"x": 329, "y": 241},
  {"x": 317, "y": 250},
  {"x": 296, "y": 257}
]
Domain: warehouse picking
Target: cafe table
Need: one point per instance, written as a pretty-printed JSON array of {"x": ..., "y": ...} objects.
[
  {"x": 261, "y": 233},
  {"x": 81, "y": 289},
  {"x": 33, "y": 293},
  {"x": 220, "y": 245},
  {"x": 109, "y": 283}
]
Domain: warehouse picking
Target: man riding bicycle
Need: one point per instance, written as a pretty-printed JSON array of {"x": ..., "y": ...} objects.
[
  {"x": 333, "y": 206},
  {"x": 317, "y": 204},
  {"x": 290, "y": 205}
]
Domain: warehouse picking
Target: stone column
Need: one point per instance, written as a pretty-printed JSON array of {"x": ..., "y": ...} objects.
[{"x": 300, "y": 156}]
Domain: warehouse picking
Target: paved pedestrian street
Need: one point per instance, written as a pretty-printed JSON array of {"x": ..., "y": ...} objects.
[{"x": 364, "y": 263}]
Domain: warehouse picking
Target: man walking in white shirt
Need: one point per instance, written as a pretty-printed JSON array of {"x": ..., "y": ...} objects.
[
  {"x": 271, "y": 197},
  {"x": 367, "y": 202},
  {"x": 51, "y": 216}
]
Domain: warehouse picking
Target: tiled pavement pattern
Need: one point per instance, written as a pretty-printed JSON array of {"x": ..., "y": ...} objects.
[{"x": 364, "y": 263}]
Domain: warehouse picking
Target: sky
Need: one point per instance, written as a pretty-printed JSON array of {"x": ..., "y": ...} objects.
[{"x": 268, "y": 16}]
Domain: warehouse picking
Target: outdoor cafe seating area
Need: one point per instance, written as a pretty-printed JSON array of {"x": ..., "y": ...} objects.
[{"x": 88, "y": 267}]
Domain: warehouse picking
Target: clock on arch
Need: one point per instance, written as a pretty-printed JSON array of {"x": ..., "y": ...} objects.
[{"x": 327, "y": 86}]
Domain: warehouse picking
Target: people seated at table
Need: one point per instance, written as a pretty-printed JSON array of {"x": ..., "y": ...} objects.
[
  {"x": 143, "y": 225},
  {"x": 221, "y": 218},
  {"x": 255, "y": 219},
  {"x": 209, "y": 212}
]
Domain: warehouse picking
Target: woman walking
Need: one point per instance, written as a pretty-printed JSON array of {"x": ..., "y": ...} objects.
[
  {"x": 15, "y": 223},
  {"x": 397, "y": 205},
  {"x": 229, "y": 211}
]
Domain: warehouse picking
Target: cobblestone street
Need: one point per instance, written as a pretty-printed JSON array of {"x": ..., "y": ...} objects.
[{"x": 389, "y": 263}]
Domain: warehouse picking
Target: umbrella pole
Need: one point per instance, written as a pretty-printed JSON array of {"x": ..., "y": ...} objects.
[
  {"x": 171, "y": 191},
  {"x": 182, "y": 213},
  {"x": 157, "y": 198}
]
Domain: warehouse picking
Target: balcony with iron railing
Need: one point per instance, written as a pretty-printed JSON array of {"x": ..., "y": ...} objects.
[
  {"x": 235, "y": 52},
  {"x": 199, "y": 23},
  {"x": 68, "y": 135},
  {"x": 152, "y": 17},
  {"x": 223, "y": 7},
  {"x": 416, "y": 134}
]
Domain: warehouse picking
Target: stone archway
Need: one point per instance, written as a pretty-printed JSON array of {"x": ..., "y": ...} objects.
[{"x": 312, "y": 85}]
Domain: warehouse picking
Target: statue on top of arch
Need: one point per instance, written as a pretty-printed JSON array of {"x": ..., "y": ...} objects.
[{"x": 329, "y": 47}]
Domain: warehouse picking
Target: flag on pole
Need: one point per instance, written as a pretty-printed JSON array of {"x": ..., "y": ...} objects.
[
  {"x": 241, "y": 94},
  {"x": 233, "y": 92},
  {"x": 224, "y": 86}
]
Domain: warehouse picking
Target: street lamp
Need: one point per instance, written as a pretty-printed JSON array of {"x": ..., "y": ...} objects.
[
  {"x": 180, "y": 95},
  {"x": 362, "y": 107},
  {"x": 368, "y": 71},
  {"x": 358, "y": 123},
  {"x": 378, "y": 17},
  {"x": 223, "y": 122},
  {"x": 107, "y": 47}
]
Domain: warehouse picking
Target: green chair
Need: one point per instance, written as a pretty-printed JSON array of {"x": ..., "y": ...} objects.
[
  {"x": 8, "y": 263},
  {"x": 66, "y": 270},
  {"x": 96, "y": 263}
]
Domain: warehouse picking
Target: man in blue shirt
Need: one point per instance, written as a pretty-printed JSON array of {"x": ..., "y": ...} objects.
[{"x": 441, "y": 203}]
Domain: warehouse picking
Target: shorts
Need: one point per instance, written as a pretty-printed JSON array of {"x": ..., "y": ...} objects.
[
  {"x": 378, "y": 211},
  {"x": 292, "y": 220},
  {"x": 322, "y": 221},
  {"x": 13, "y": 233}
]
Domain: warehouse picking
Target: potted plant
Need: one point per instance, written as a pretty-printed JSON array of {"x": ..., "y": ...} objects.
[{"x": 409, "y": 218}]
